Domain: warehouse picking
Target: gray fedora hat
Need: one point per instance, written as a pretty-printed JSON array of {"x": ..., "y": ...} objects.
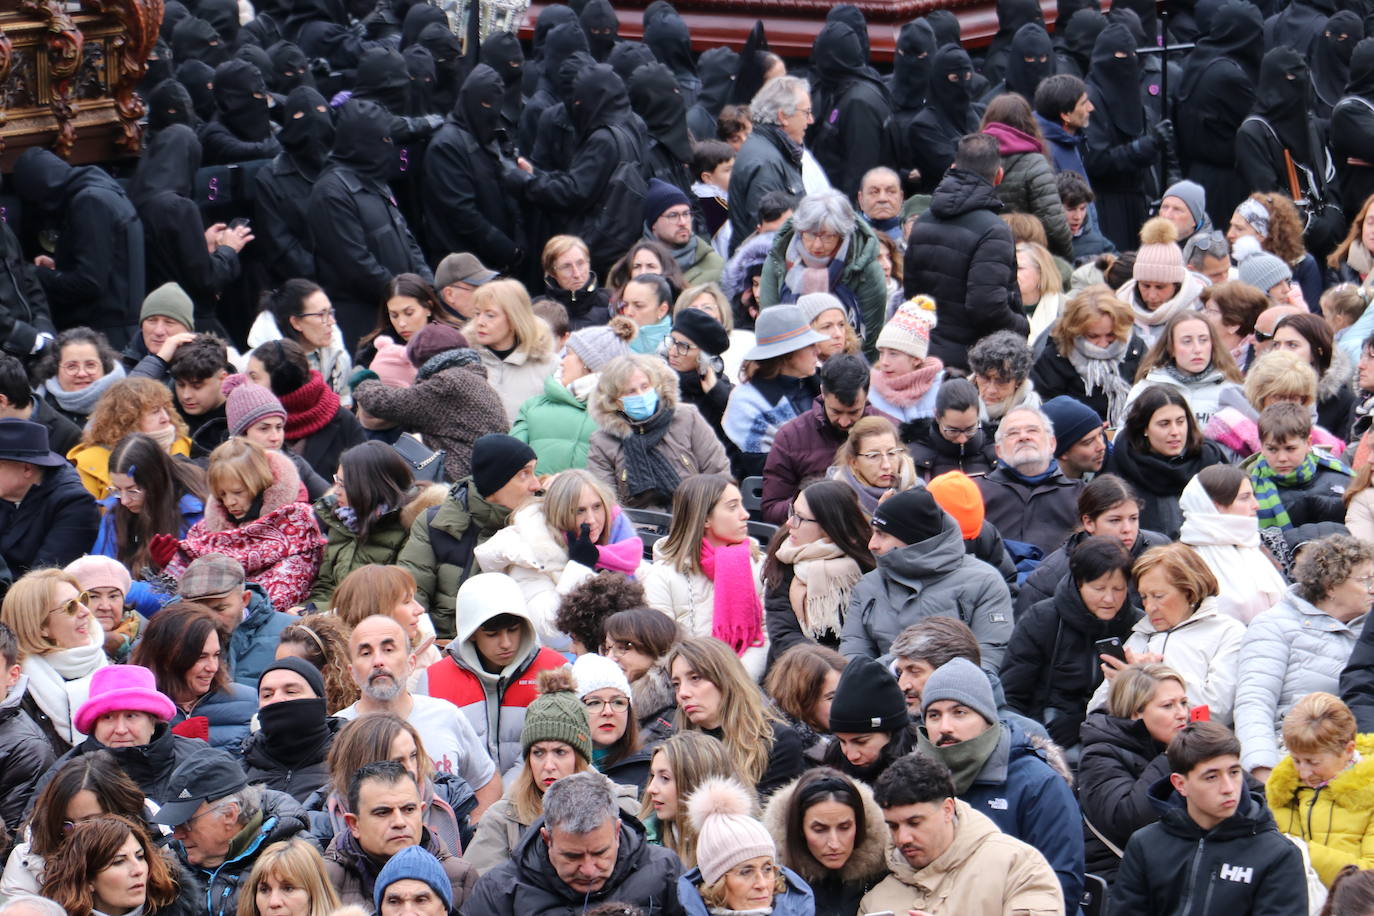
[{"x": 779, "y": 330}]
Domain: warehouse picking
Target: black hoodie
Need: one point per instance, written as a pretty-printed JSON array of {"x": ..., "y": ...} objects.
[
  {"x": 1030, "y": 60},
  {"x": 450, "y": 68},
  {"x": 1119, "y": 764},
  {"x": 416, "y": 18},
  {"x": 602, "y": 27},
  {"x": 1077, "y": 39},
  {"x": 502, "y": 52},
  {"x": 667, "y": 36},
  {"x": 717, "y": 68},
  {"x": 1331, "y": 60},
  {"x": 196, "y": 39},
  {"x": 199, "y": 79},
  {"x": 290, "y": 68},
  {"x": 283, "y": 188},
  {"x": 1352, "y": 127},
  {"x": 561, "y": 43},
  {"x": 1281, "y": 120}
]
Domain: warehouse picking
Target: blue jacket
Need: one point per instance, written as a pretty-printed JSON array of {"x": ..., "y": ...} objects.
[
  {"x": 229, "y": 712},
  {"x": 254, "y": 644},
  {"x": 1066, "y": 149},
  {"x": 796, "y": 900}
]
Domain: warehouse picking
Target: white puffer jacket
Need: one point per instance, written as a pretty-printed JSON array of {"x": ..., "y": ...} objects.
[{"x": 1290, "y": 650}]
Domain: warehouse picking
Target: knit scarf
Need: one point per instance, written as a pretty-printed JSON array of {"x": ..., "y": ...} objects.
[
  {"x": 1359, "y": 259},
  {"x": 1209, "y": 376},
  {"x": 1266, "y": 482},
  {"x": 309, "y": 408},
  {"x": 822, "y": 578},
  {"x": 60, "y": 682},
  {"x": 582, "y": 388},
  {"x": 906, "y": 389},
  {"x": 686, "y": 256},
  {"x": 83, "y": 401},
  {"x": 1023, "y": 396},
  {"x": 166, "y": 437},
  {"x": 867, "y": 493},
  {"x": 965, "y": 759},
  {"x": 1100, "y": 370},
  {"x": 737, "y": 616},
  {"x": 809, "y": 274},
  {"x": 646, "y": 468}
]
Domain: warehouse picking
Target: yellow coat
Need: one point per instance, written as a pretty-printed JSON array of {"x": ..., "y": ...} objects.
[
  {"x": 1337, "y": 820},
  {"x": 93, "y": 464}
]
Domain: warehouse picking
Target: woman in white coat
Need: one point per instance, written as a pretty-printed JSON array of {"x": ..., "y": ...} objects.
[
  {"x": 1183, "y": 628},
  {"x": 1220, "y": 522},
  {"x": 1188, "y": 357},
  {"x": 551, "y": 545},
  {"x": 706, "y": 573}
]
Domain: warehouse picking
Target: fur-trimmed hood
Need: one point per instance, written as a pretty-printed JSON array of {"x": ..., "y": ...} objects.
[
  {"x": 753, "y": 250},
  {"x": 1352, "y": 789},
  {"x": 604, "y": 409},
  {"x": 284, "y": 490},
  {"x": 421, "y": 498},
  {"x": 525, "y": 541},
  {"x": 869, "y": 858},
  {"x": 1338, "y": 375},
  {"x": 653, "y": 692},
  {"x": 1054, "y": 755}
]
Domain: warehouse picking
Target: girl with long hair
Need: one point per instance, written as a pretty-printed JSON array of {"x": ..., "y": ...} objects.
[
  {"x": 1027, "y": 184},
  {"x": 639, "y": 640},
  {"x": 677, "y": 767},
  {"x": 108, "y": 866},
  {"x": 516, "y": 347},
  {"x": 150, "y": 493},
  {"x": 1187, "y": 356},
  {"x": 802, "y": 684},
  {"x": 408, "y": 304},
  {"x": 288, "y": 879}
]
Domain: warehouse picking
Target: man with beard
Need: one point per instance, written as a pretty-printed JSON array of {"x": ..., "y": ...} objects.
[
  {"x": 464, "y": 206},
  {"x": 382, "y": 659},
  {"x": 949, "y": 114},
  {"x": 1026, "y": 496},
  {"x": 1001, "y": 772},
  {"x": 283, "y": 187},
  {"x": 668, "y": 220},
  {"x": 242, "y": 128}
]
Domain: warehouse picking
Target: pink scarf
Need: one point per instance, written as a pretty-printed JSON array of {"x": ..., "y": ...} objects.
[
  {"x": 737, "y": 618},
  {"x": 905, "y": 390}
]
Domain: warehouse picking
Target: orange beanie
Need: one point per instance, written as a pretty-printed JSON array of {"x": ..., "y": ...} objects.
[{"x": 958, "y": 495}]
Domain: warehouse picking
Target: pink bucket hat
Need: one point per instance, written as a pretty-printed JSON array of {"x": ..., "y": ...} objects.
[{"x": 123, "y": 687}]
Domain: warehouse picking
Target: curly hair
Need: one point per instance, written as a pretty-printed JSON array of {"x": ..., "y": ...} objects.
[
  {"x": 1328, "y": 563},
  {"x": 585, "y": 608},
  {"x": 46, "y": 367},
  {"x": 1085, "y": 308},
  {"x": 1285, "y": 226},
  {"x": 123, "y": 406},
  {"x": 1003, "y": 355},
  {"x": 322, "y": 640}
]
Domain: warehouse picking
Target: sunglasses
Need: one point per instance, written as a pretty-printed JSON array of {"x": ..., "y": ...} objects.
[{"x": 74, "y": 606}]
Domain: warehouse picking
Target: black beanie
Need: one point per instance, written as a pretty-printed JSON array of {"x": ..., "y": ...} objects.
[
  {"x": 702, "y": 330},
  {"x": 303, "y": 668},
  {"x": 867, "y": 699},
  {"x": 496, "y": 458},
  {"x": 911, "y": 516}
]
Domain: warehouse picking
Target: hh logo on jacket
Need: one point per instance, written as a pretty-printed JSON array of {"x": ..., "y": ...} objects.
[{"x": 1236, "y": 873}]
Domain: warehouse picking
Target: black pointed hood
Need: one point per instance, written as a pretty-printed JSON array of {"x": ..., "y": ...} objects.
[
  {"x": 853, "y": 17},
  {"x": 716, "y": 67},
  {"x": 290, "y": 67},
  {"x": 1030, "y": 59},
  {"x": 159, "y": 67},
  {"x": 170, "y": 103},
  {"x": 1149, "y": 18},
  {"x": 1284, "y": 99},
  {"x": 657, "y": 98},
  {"x": 1236, "y": 34},
  {"x": 383, "y": 78},
  {"x": 173, "y": 11},
  {"x": 199, "y": 79},
  {"x": 362, "y": 140},
  {"x": 1080, "y": 36},
  {"x": 417, "y": 17},
  {"x": 241, "y": 97},
  {"x": 562, "y": 42},
  {"x": 953, "y": 98},
  {"x": 478, "y": 109},
  {"x": 1012, "y": 14},
  {"x": 655, "y": 11},
  {"x": 1065, "y": 10},
  {"x": 224, "y": 16},
  {"x": 749, "y": 77},
  {"x": 1331, "y": 55},
  {"x": 552, "y": 16},
  {"x": 258, "y": 57},
  {"x": 501, "y": 52},
  {"x": 262, "y": 30},
  {"x": 946, "y": 26},
  {"x": 196, "y": 39},
  {"x": 668, "y": 37},
  {"x": 911, "y": 65},
  {"x": 1361, "y": 82},
  {"x": 837, "y": 56},
  {"x": 1115, "y": 78},
  {"x": 168, "y": 165},
  {"x": 568, "y": 73},
  {"x": 600, "y": 101},
  {"x": 41, "y": 178},
  {"x": 307, "y": 131},
  {"x": 420, "y": 67},
  {"x": 602, "y": 26},
  {"x": 628, "y": 57}
]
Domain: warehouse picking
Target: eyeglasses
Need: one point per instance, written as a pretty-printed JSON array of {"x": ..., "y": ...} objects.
[
  {"x": 1209, "y": 241},
  {"x": 195, "y": 817},
  {"x": 615, "y": 648},
  {"x": 803, "y": 111},
  {"x": 792, "y": 515},
  {"x": 747, "y": 872},
  {"x": 596, "y": 704},
  {"x": 123, "y": 493},
  {"x": 569, "y": 267},
  {"x": 73, "y": 368},
  {"x": 74, "y": 606},
  {"x": 824, "y": 238},
  {"x": 325, "y": 315},
  {"x": 677, "y": 216},
  {"x": 681, "y": 347},
  {"x": 892, "y": 454},
  {"x": 948, "y": 431},
  {"x": 1366, "y": 581},
  {"x": 1262, "y": 337}
]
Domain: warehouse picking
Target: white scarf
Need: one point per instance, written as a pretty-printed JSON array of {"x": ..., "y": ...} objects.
[
  {"x": 61, "y": 681},
  {"x": 1230, "y": 546}
]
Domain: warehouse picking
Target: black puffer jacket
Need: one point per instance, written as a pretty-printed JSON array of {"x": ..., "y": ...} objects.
[
  {"x": 933, "y": 454},
  {"x": 1118, "y": 765},
  {"x": 26, "y": 756},
  {"x": 190, "y": 900},
  {"x": 962, "y": 255},
  {"x": 1052, "y": 667},
  {"x": 1041, "y": 584},
  {"x": 1053, "y": 374},
  {"x": 149, "y": 764},
  {"x": 587, "y": 307},
  {"x": 768, "y": 161}
]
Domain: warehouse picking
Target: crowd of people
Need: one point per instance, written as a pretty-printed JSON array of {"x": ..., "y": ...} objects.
[{"x": 602, "y": 478}]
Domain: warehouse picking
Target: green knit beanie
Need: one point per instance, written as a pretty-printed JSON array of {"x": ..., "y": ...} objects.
[
  {"x": 557, "y": 715},
  {"x": 170, "y": 301}
]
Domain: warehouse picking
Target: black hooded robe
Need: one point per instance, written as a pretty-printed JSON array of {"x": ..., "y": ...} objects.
[
  {"x": 501, "y": 52},
  {"x": 1011, "y": 15},
  {"x": 717, "y": 68},
  {"x": 1352, "y": 131},
  {"x": 562, "y": 42},
  {"x": 667, "y": 36},
  {"x": 906, "y": 87},
  {"x": 1331, "y": 61},
  {"x": 1280, "y": 120},
  {"x": 242, "y": 128},
  {"x": 658, "y": 99},
  {"x": 949, "y": 115},
  {"x": 281, "y": 224},
  {"x": 850, "y": 108}
]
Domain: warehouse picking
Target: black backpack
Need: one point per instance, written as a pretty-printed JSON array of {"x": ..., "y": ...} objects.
[{"x": 616, "y": 221}]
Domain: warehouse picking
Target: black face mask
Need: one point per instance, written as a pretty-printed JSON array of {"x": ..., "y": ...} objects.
[
  {"x": 196, "y": 39},
  {"x": 602, "y": 27},
  {"x": 290, "y": 68},
  {"x": 199, "y": 80},
  {"x": 1030, "y": 60},
  {"x": 383, "y": 78},
  {"x": 293, "y": 728},
  {"x": 501, "y": 52},
  {"x": 241, "y": 96},
  {"x": 362, "y": 140},
  {"x": 479, "y": 103},
  {"x": 952, "y": 98},
  {"x": 308, "y": 130},
  {"x": 170, "y": 103}
]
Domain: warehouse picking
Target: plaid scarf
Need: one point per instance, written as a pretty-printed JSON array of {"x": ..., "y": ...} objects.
[{"x": 1272, "y": 513}]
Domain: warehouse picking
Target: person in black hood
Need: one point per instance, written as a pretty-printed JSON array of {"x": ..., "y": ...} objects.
[
  {"x": 95, "y": 275},
  {"x": 1331, "y": 61},
  {"x": 556, "y": 145},
  {"x": 1298, "y": 26},
  {"x": 657, "y": 98},
  {"x": 667, "y": 36},
  {"x": 464, "y": 204},
  {"x": 717, "y": 68},
  {"x": 290, "y": 68},
  {"x": 907, "y": 87},
  {"x": 562, "y": 42},
  {"x": 170, "y": 103},
  {"x": 322, "y": 30},
  {"x": 175, "y": 240},
  {"x": 173, "y": 11},
  {"x": 416, "y": 18},
  {"x": 850, "y": 107},
  {"x": 263, "y": 29},
  {"x": 242, "y": 128},
  {"x": 450, "y": 67},
  {"x": 26, "y": 326},
  {"x": 199, "y": 79},
  {"x": 1076, "y": 41},
  {"x": 501, "y": 52},
  {"x": 1122, "y": 143},
  {"x": 359, "y": 236},
  {"x": 1217, "y": 92},
  {"x": 287, "y": 753},
  {"x": 1281, "y": 120},
  {"x": 950, "y": 113},
  {"x": 160, "y": 67},
  {"x": 421, "y": 69},
  {"x": 754, "y": 62},
  {"x": 602, "y": 27},
  {"x": 1030, "y": 60},
  {"x": 552, "y": 16},
  {"x": 283, "y": 188},
  {"x": 1352, "y": 130},
  {"x": 382, "y": 78},
  {"x": 1011, "y": 15},
  {"x": 628, "y": 57},
  {"x": 224, "y": 16},
  {"x": 196, "y": 39}
]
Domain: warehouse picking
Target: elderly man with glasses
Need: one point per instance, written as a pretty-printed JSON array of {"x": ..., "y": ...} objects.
[{"x": 1028, "y": 498}]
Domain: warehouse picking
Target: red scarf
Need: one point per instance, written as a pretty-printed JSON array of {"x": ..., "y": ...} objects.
[
  {"x": 309, "y": 408},
  {"x": 737, "y": 618}
]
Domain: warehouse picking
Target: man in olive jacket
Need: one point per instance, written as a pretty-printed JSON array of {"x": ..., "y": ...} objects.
[{"x": 439, "y": 554}]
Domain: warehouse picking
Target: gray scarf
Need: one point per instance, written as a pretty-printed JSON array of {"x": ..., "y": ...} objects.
[
  {"x": 1100, "y": 369},
  {"x": 83, "y": 402}
]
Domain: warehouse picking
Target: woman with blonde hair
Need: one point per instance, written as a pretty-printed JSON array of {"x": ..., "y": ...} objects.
[
  {"x": 706, "y": 572},
  {"x": 390, "y": 591},
  {"x": 1187, "y": 356},
  {"x": 677, "y": 767},
  {"x": 1278, "y": 376},
  {"x": 288, "y": 878},
  {"x": 716, "y": 696},
  {"x": 254, "y": 515},
  {"x": 873, "y": 462},
  {"x": 1042, "y": 289},
  {"x": 570, "y": 281},
  {"x": 711, "y": 299},
  {"x": 1092, "y": 354},
  {"x": 551, "y": 544},
  {"x": 108, "y": 866},
  {"x": 133, "y": 405},
  {"x": 516, "y": 347},
  {"x": 62, "y": 646}
]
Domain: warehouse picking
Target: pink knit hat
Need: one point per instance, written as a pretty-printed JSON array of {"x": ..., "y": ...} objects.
[
  {"x": 95, "y": 571},
  {"x": 1159, "y": 259},
  {"x": 727, "y": 831},
  {"x": 247, "y": 404},
  {"x": 391, "y": 364},
  {"x": 116, "y": 688}
]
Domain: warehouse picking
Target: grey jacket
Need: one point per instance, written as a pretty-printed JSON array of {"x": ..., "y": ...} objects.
[{"x": 931, "y": 578}]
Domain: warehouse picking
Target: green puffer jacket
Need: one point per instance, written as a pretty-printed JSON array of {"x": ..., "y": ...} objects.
[
  {"x": 345, "y": 552},
  {"x": 557, "y": 426},
  {"x": 1028, "y": 186},
  {"x": 436, "y": 582}
]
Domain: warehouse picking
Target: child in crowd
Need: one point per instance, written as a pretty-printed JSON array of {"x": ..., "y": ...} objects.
[{"x": 1295, "y": 484}]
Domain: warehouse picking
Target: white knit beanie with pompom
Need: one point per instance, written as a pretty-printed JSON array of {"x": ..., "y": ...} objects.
[{"x": 727, "y": 832}]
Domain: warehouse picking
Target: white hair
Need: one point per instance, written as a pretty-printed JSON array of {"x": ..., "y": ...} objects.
[
  {"x": 824, "y": 210},
  {"x": 778, "y": 96},
  {"x": 31, "y": 906}
]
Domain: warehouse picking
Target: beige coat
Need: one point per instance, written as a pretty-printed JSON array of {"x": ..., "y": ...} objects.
[
  {"x": 500, "y": 830},
  {"x": 984, "y": 872},
  {"x": 517, "y": 378}
]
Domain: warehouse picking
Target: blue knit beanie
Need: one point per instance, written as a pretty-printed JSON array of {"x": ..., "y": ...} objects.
[
  {"x": 419, "y": 864},
  {"x": 658, "y": 197},
  {"x": 1072, "y": 420}
]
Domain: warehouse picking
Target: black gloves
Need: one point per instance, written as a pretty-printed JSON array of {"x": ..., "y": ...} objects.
[{"x": 582, "y": 550}]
